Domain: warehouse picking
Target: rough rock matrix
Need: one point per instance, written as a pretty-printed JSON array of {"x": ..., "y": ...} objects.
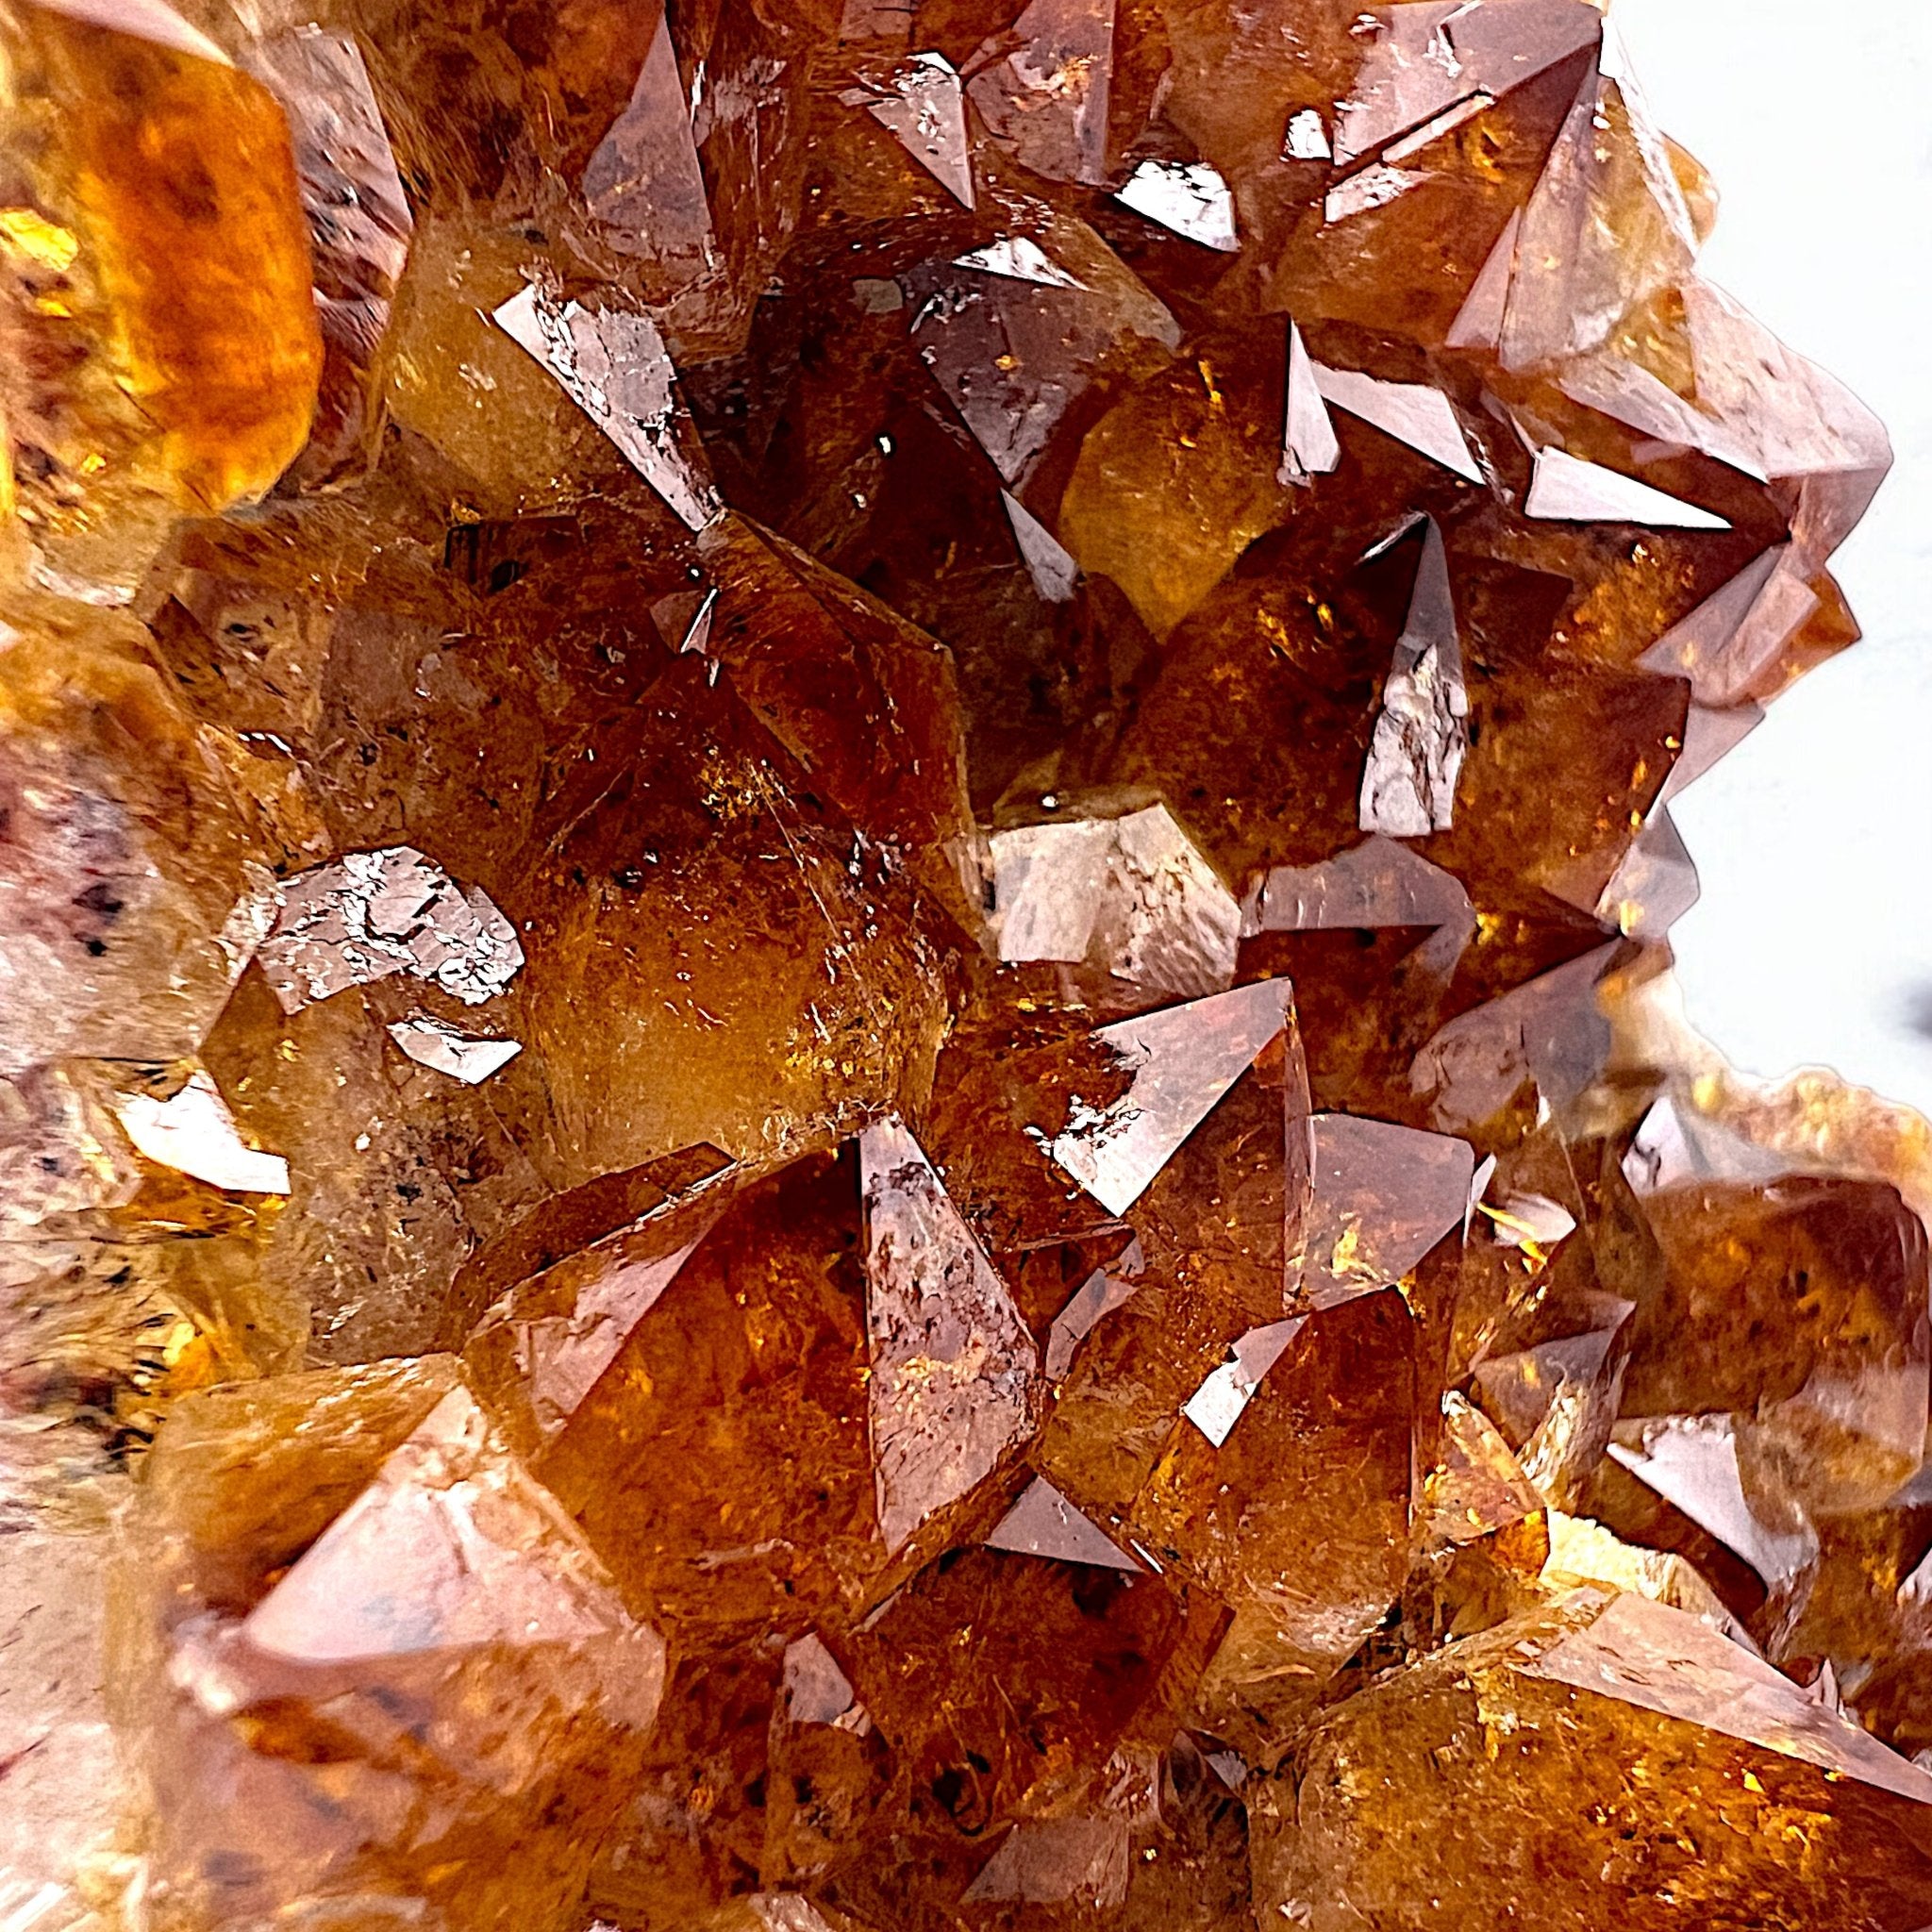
[{"x": 837, "y": 1089}]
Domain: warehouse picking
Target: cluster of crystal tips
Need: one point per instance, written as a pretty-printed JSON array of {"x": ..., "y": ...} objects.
[{"x": 818, "y": 828}]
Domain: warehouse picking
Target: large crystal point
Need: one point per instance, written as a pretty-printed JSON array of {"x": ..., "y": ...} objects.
[
  {"x": 1619, "y": 1749},
  {"x": 954, "y": 1374},
  {"x": 164, "y": 352},
  {"x": 838, "y": 1089},
  {"x": 373, "y": 1663}
]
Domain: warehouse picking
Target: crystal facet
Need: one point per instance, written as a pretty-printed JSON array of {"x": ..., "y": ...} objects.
[{"x": 838, "y": 1089}]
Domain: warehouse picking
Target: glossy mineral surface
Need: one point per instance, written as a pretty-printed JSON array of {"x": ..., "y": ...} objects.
[{"x": 834, "y": 1092}]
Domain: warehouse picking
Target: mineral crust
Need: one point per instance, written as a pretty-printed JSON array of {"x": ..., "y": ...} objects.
[{"x": 835, "y": 851}]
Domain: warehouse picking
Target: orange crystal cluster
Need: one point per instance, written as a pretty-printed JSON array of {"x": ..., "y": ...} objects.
[{"x": 832, "y": 839}]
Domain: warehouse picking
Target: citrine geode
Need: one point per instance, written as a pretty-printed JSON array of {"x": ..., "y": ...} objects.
[{"x": 835, "y": 851}]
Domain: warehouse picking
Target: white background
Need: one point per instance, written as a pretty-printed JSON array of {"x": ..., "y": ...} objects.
[{"x": 1813, "y": 941}]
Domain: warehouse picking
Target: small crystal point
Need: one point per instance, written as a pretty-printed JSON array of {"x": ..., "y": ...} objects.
[
  {"x": 1411, "y": 412},
  {"x": 1043, "y": 1524},
  {"x": 1569, "y": 489},
  {"x": 1188, "y": 197},
  {"x": 1309, "y": 448},
  {"x": 924, "y": 107},
  {"x": 1180, "y": 1061}
]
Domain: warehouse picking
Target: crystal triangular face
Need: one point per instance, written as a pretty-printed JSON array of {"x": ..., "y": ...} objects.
[
  {"x": 1752, "y": 403},
  {"x": 1556, "y": 1402},
  {"x": 1188, "y": 197},
  {"x": 1427, "y": 61},
  {"x": 1654, "y": 886},
  {"x": 1131, "y": 897},
  {"x": 1055, "y": 574},
  {"x": 1104, "y": 1291},
  {"x": 817, "y": 1691},
  {"x": 1078, "y": 1861},
  {"x": 1675, "y": 1147},
  {"x": 1217, "y": 1404},
  {"x": 1014, "y": 353},
  {"x": 1549, "y": 1030},
  {"x": 1606, "y": 227},
  {"x": 1565, "y": 488},
  {"x": 451, "y": 1546},
  {"x": 1478, "y": 323},
  {"x": 1669, "y": 1661},
  {"x": 1477, "y": 1486},
  {"x": 1733, "y": 641},
  {"x": 644, "y": 181},
  {"x": 1180, "y": 1061},
  {"x": 1045, "y": 101},
  {"x": 1702, "y": 636},
  {"x": 927, "y": 111},
  {"x": 613, "y": 364},
  {"x": 1019, "y": 258},
  {"x": 1422, "y": 736},
  {"x": 433, "y": 1042},
  {"x": 1384, "y": 1196},
  {"x": 954, "y": 1378},
  {"x": 1709, "y": 734},
  {"x": 1043, "y": 1524},
  {"x": 543, "y": 1344},
  {"x": 684, "y": 619},
  {"x": 1411, "y": 412},
  {"x": 1377, "y": 883},
  {"x": 1691, "y": 1462}
]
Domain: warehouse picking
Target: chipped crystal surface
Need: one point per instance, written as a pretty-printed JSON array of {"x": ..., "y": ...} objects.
[{"x": 838, "y": 1080}]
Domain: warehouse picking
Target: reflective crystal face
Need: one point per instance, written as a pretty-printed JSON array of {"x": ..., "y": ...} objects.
[{"x": 835, "y": 1082}]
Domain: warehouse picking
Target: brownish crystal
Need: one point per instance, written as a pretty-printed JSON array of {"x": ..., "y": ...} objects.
[
  {"x": 1617, "y": 1757},
  {"x": 751, "y": 1358},
  {"x": 834, "y": 1086},
  {"x": 344, "y": 1578}
]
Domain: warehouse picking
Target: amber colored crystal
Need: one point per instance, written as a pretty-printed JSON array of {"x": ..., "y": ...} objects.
[
  {"x": 752, "y": 1357},
  {"x": 163, "y": 351},
  {"x": 1636, "y": 1763},
  {"x": 836, "y": 1090},
  {"x": 1299, "y": 1519},
  {"x": 1834, "y": 1403},
  {"x": 342, "y": 1574}
]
